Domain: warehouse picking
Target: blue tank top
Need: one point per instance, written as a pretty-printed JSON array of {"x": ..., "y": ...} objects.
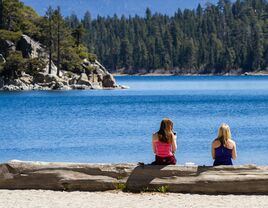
[{"x": 223, "y": 156}]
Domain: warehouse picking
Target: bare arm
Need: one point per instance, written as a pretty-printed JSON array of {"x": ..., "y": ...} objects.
[
  {"x": 213, "y": 151},
  {"x": 234, "y": 152},
  {"x": 153, "y": 143},
  {"x": 174, "y": 143}
]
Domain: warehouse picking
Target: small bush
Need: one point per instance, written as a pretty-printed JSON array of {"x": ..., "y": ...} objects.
[
  {"x": 83, "y": 54},
  {"x": 33, "y": 66},
  {"x": 120, "y": 186},
  {"x": 162, "y": 189},
  {"x": 92, "y": 57},
  {"x": 14, "y": 64},
  {"x": 90, "y": 69}
]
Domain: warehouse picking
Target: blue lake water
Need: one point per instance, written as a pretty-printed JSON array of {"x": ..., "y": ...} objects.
[{"x": 116, "y": 125}]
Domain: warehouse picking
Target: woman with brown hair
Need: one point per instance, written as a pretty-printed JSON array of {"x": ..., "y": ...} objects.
[
  {"x": 223, "y": 147},
  {"x": 164, "y": 144}
]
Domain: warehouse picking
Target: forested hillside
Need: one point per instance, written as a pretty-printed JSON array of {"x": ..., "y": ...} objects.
[
  {"x": 222, "y": 38},
  {"x": 60, "y": 42},
  {"x": 30, "y": 45}
]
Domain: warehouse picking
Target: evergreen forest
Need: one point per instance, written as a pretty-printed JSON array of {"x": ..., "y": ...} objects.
[{"x": 229, "y": 37}]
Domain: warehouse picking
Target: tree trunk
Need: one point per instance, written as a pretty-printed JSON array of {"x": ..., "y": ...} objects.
[
  {"x": 50, "y": 46},
  {"x": 1, "y": 15},
  {"x": 58, "y": 40},
  {"x": 78, "y": 40}
]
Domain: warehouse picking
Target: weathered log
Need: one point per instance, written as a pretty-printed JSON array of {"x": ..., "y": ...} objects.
[{"x": 244, "y": 179}]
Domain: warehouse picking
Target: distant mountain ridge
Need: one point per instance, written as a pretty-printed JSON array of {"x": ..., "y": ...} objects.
[{"x": 111, "y": 7}]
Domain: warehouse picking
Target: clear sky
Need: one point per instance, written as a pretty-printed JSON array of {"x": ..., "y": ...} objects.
[{"x": 110, "y": 7}]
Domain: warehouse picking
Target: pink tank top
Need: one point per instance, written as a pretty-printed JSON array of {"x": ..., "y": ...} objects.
[{"x": 162, "y": 149}]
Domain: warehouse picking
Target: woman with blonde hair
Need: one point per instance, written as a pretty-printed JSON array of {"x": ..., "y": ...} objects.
[
  {"x": 164, "y": 144},
  {"x": 223, "y": 147}
]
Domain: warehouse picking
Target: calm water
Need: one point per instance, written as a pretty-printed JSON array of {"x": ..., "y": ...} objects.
[{"x": 116, "y": 125}]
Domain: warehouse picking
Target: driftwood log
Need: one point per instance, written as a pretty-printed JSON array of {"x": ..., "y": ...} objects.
[{"x": 244, "y": 179}]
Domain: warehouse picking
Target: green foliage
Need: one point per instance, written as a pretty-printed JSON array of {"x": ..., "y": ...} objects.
[
  {"x": 82, "y": 51},
  {"x": 17, "y": 17},
  {"x": 70, "y": 59},
  {"x": 12, "y": 14},
  {"x": 58, "y": 39},
  {"x": 1, "y": 68},
  {"x": 78, "y": 33},
  {"x": 162, "y": 189},
  {"x": 14, "y": 64},
  {"x": 228, "y": 36},
  {"x": 63, "y": 43},
  {"x": 120, "y": 186},
  {"x": 90, "y": 70},
  {"x": 30, "y": 22},
  {"x": 9, "y": 35},
  {"x": 33, "y": 66},
  {"x": 92, "y": 57}
]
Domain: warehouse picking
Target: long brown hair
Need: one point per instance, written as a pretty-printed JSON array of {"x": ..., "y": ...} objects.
[
  {"x": 224, "y": 134},
  {"x": 165, "y": 133}
]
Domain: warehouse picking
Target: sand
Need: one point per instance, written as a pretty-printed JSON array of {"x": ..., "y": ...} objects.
[{"x": 114, "y": 199}]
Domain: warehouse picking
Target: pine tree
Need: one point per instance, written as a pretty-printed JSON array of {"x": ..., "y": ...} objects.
[
  {"x": 50, "y": 37},
  {"x": 1, "y": 15},
  {"x": 78, "y": 33},
  {"x": 58, "y": 16}
]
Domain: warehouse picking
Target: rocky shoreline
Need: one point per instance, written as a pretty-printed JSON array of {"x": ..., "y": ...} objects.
[
  {"x": 67, "y": 81},
  {"x": 260, "y": 73},
  {"x": 98, "y": 78}
]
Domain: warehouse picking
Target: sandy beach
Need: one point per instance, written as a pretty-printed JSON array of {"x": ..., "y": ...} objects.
[{"x": 114, "y": 199}]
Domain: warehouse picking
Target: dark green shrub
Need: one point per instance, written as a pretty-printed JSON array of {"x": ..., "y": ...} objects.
[
  {"x": 33, "y": 66},
  {"x": 14, "y": 64}
]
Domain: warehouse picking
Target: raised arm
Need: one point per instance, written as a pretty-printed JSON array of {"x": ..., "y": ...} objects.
[
  {"x": 234, "y": 152},
  {"x": 174, "y": 143}
]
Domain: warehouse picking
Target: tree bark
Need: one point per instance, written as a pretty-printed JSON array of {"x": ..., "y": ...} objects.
[
  {"x": 50, "y": 46},
  {"x": 58, "y": 41},
  {"x": 1, "y": 14}
]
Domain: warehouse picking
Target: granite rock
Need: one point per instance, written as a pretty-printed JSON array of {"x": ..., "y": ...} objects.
[{"x": 109, "y": 81}]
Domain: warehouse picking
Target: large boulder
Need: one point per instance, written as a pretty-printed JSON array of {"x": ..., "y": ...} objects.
[
  {"x": 59, "y": 86},
  {"x": 54, "y": 69},
  {"x": 101, "y": 67},
  {"x": 73, "y": 80},
  {"x": 26, "y": 79},
  {"x": 33, "y": 49},
  {"x": 30, "y": 48},
  {"x": 6, "y": 46},
  {"x": 83, "y": 80},
  {"x": 42, "y": 77},
  {"x": 19, "y": 85},
  {"x": 108, "y": 81}
]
